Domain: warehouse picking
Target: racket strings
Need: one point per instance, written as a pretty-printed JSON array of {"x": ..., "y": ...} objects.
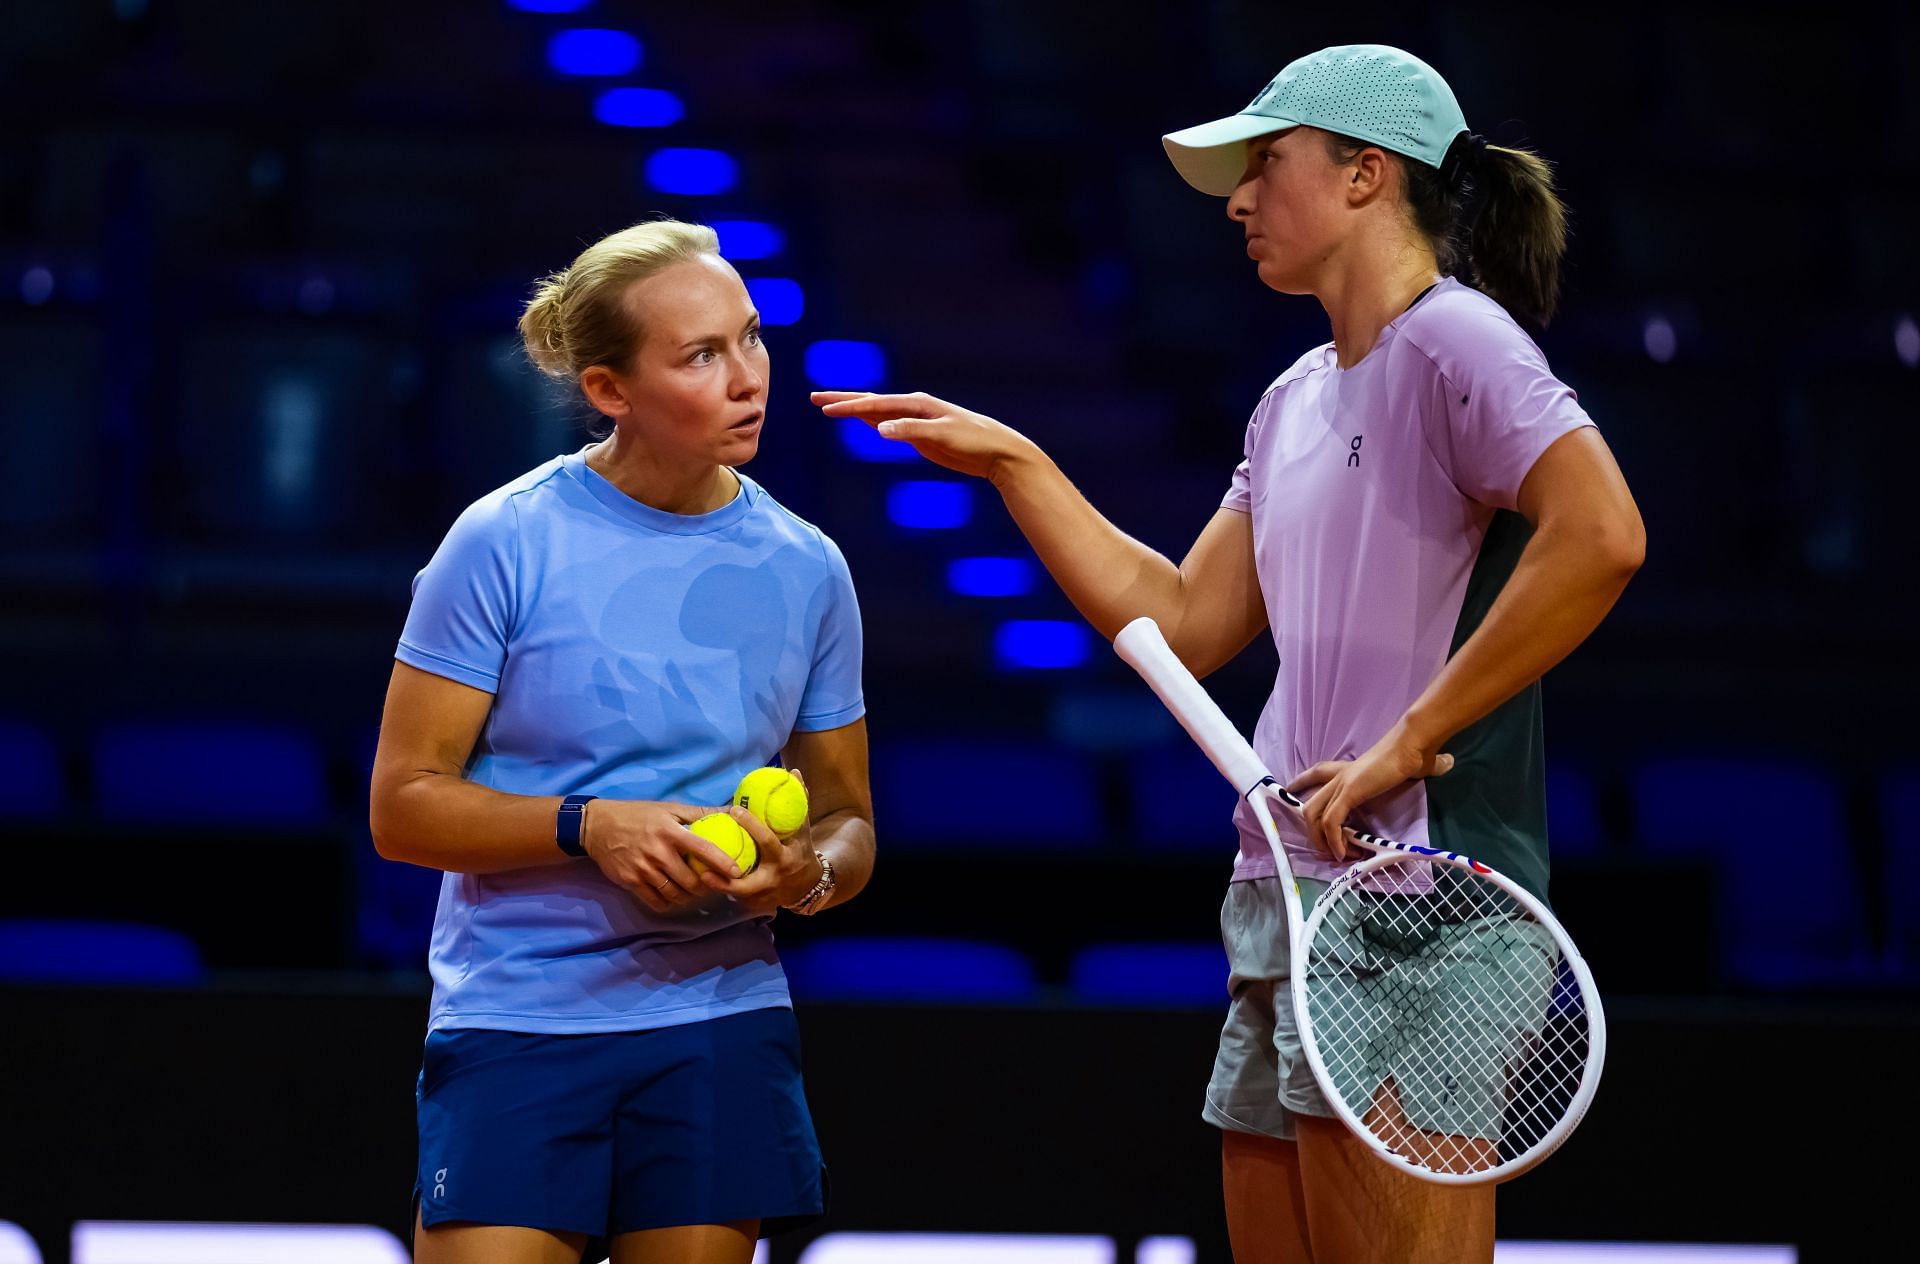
[{"x": 1446, "y": 1018}]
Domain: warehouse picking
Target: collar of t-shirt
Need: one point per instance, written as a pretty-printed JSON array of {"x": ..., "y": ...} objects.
[
  {"x": 1333, "y": 351},
  {"x": 625, "y": 508}
]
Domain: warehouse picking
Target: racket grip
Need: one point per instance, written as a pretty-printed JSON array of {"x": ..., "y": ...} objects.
[{"x": 1143, "y": 648}]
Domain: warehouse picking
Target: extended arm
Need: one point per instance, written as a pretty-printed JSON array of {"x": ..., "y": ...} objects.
[{"x": 1209, "y": 606}]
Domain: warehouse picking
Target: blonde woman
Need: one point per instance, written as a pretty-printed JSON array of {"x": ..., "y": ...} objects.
[
  {"x": 598, "y": 648},
  {"x": 1425, "y": 521}
]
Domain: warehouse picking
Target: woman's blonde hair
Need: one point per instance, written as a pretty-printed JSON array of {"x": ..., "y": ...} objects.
[{"x": 577, "y": 317}]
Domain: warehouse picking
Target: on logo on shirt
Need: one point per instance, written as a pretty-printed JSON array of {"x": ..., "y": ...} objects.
[{"x": 1353, "y": 453}]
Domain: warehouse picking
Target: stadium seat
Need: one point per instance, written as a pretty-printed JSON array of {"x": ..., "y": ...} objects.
[
  {"x": 1573, "y": 817},
  {"x": 51, "y": 951},
  {"x": 908, "y": 969},
  {"x": 987, "y": 794},
  {"x": 1790, "y": 911},
  {"x": 395, "y": 906},
  {"x": 1180, "y": 802},
  {"x": 185, "y": 773},
  {"x": 31, "y": 787},
  {"x": 1150, "y": 974}
]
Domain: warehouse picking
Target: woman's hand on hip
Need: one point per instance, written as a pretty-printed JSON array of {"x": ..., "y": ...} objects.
[
  {"x": 1340, "y": 786},
  {"x": 643, "y": 847},
  {"x": 946, "y": 434}
]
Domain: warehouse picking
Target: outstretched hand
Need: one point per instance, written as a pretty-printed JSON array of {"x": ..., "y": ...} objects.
[
  {"x": 946, "y": 434},
  {"x": 1340, "y": 786}
]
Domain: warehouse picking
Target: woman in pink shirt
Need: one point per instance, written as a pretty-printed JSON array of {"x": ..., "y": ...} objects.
[{"x": 1425, "y": 521}]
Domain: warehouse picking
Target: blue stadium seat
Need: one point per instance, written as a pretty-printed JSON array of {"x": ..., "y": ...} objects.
[
  {"x": 1151, "y": 974},
  {"x": 1790, "y": 911},
  {"x": 394, "y": 921},
  {"x": 908, "y": 969},
  {"x": 30, "y": 783},
  {"x": 1573, "y": 818},
  {"x": 1109, "y": 720},
  {"x": 48, "y": 951},
  {"x": 1180, "y": 801},
  {"x": 1900, "y": 847},
  {"x": 985, "y": 794},
  {"x": 206, "y": 774}
]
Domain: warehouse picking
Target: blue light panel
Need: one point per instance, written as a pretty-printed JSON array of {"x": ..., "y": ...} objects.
[
  {"x": 839, "y": 364},
  {"x": 638, "y": 107},
  {"x": 930, "y": 506},
  {"x": 1040, "y": 643},
  {"x": 593, "y": 51},
  {"x": 990, "y": 576},
  {"x": 691, "y": 171},
  {"x": 548, "y": 6},
  {"x": 863, "y": 444},
  {"x": 780, "y": 300},
  {"x": 749, "y": 239}
]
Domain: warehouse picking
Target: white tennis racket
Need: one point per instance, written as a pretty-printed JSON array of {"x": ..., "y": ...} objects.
[{"x": 1444, "y": 1011}]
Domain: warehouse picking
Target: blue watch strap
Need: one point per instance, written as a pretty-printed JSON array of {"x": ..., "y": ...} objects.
[{"x": 573, "y": 814}]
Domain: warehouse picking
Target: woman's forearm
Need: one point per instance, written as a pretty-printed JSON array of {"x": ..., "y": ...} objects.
[
  {"x": 447, "y": 822},
  {"x": 846, "y": 838},
  {"x": 1110, "y": 577},
  {"x": 1564, "y": 584}
]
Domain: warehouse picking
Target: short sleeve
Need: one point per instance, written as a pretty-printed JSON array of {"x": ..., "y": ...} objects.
[
  {"x": 833, "y": 696},
  {"x": 1239, "y": 497},
  {"x": 464, "y": 600},
  {"x": 1502, "y": 407}
]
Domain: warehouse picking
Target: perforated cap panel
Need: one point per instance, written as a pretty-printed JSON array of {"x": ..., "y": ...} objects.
[{"x": 1370, "y": 91}]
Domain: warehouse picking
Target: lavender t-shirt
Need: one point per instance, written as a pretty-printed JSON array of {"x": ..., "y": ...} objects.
[{"x": 1373, "y": 491}]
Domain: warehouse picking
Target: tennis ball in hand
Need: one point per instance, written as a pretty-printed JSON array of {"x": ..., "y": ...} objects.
[
  {"x": 776, "y": 797},
  {"x": 730, "y": 837}
]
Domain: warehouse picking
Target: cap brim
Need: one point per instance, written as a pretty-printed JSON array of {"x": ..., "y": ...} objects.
[{"x": 1213, "y": 156}]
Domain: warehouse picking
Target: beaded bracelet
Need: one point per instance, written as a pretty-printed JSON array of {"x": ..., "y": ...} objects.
[{"x": 822, "y": 890}]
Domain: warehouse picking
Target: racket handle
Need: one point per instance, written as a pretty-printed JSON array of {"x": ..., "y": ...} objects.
[{"x": 1145, "y": 650}]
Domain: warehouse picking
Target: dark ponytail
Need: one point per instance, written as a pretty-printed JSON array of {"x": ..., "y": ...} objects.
[
  {"x": 1518, "y": 237},
  {"x": 1490, "y": 212}
]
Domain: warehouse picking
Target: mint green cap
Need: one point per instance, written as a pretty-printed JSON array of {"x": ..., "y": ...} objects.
[{"x": 1384, "y": 96}]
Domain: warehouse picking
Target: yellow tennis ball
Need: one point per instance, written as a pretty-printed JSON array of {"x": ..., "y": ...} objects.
[
  {"x": 776, "y": 797},
  {"x": 730, "y": 837}
]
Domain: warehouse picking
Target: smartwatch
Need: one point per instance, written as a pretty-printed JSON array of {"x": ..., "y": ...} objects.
[{"x": 573, "y": 814}]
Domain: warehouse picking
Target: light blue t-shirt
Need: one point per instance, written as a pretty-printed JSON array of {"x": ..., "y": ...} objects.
[{"x": 632, "y": 654}]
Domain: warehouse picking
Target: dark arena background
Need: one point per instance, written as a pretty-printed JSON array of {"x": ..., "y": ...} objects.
[{"x": 260, "y": 265}]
